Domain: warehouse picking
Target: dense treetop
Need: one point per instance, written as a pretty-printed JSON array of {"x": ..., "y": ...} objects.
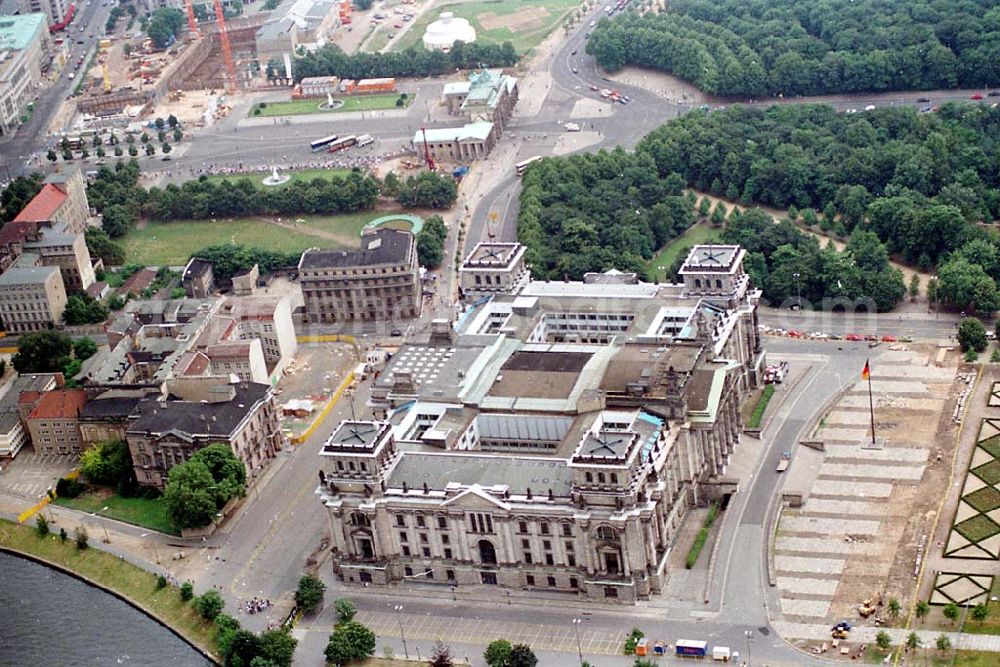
[
  {"x": 791, "y": 47},
  {"x": 916, "y": 180},
  {"x": 596, "y": 211},
  {"x": 330, "y": 60}
]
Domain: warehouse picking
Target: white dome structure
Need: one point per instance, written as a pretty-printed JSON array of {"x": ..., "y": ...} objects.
[{"x": 447, "y": 30}]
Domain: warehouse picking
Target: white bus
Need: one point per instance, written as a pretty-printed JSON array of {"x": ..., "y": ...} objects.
[
  {"x": 521, "y": 166},
  {"x": 320, "y": 144},
  {"x": 341, "y": 144}
]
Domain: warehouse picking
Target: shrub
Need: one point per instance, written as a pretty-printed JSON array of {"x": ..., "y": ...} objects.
[
  {"x": 63, "y": 536},
  {"x": 187, "y": 591},
  {"x": 633, "y": 641},
  {"x": 161, "y": 582},
  {"x": 81, "y": 538},
  {"x": 41, "y": 525},
  {"x": 209, "y": 604}
]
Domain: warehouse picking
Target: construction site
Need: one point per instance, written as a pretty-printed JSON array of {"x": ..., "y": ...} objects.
[{"x": 129, "y": 79}]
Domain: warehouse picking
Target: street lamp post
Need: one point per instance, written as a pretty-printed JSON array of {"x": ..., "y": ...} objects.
[
  {"x": 104, "y": 525},
  {"x": 399, "y": 618},
  {"x": 798, "y": 291},
  {"x": 576, "y": 630},
  {"x": 749, "y": 634}
]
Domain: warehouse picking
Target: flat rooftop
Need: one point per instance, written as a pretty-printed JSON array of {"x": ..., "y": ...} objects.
[
  {"x": 539, "y": 374},
  {"x": 711, "y": 258},
  {"x": 519, "y": 474}
]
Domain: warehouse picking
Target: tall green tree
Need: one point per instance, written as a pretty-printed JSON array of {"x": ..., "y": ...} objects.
[
  {"x": 42, "y": 352},
  {"x": 309, "y": 595},
  {"x": 349, "y": 641}
]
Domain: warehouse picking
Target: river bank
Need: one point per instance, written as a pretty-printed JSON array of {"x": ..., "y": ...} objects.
[{"x": 117, "y": 577}]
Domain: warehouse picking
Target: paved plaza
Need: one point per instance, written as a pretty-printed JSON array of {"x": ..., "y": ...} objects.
[{"x": 865, "y": 506}]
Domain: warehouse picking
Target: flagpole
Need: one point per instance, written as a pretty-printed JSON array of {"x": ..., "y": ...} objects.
[{"x": 871, "y": 403}]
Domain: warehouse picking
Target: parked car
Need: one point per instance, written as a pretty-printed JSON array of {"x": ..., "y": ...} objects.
[
  {"x": 977, "y": 96},
  {"x": 575, "y": 70},
  {"x": 993, "y": 93},
  {"x": 923, "y": 99},
  {"x": 888, "y": 339},
  {"x": 853, "y": 337}
]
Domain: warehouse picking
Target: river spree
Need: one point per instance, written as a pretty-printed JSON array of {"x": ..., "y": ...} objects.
[{"x": 55, "y": 620}]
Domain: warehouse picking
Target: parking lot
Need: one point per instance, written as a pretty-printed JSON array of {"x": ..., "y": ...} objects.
[{"x": 29, "y": 475}]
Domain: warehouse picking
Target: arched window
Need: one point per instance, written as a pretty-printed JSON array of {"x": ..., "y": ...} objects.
[
  {"x": 487, "y": 553},
  {"x": 606, "y": 533}
]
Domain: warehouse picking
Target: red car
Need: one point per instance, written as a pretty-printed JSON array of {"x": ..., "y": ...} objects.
[
  {"x": 977, "y": 96},
  {"x": 888, "y": 339},
  {"x": 853, "y": 337},
  {"x": 792, "y": 333}
]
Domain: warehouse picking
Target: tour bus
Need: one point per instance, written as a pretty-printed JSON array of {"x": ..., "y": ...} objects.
[
  {"x": 320, "y": 144},
  {"x": 521, "y": 166},
  {"x": 341, "y": 144}
]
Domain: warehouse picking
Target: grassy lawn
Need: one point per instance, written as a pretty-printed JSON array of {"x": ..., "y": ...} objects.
[
  {"x": 172, "y": 243},
  {"x": 130, "y": 581},
  {"x": 138, "y": 511},
  {"x": 380, "y": 39},
  {"x": 298, "y": 175},
  {"x": 524, "y": 38},
  {"x": 695, "y": 234},
  {"x": 758, "y": 412},
  {"x": 351, "y": 103}
]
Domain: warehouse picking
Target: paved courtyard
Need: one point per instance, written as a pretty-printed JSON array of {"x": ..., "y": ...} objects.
[
  {"x": 867, "y": 507},
  {"x": 30, "y": 474}
]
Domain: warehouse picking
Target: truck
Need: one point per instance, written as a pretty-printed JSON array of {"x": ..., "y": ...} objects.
[
  {"x": 691, "y": 648},
  {"x": 721, "y": 653},
  {"x": 784, "y": 461}
]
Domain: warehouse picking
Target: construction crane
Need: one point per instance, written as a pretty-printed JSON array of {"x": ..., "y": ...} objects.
[
  {"x": 428, "y": 160},
  {"x": 227, "y": 51},
  {"x": 192, "y": 21}
]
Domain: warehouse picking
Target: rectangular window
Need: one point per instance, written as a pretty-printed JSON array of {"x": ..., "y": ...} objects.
[
  {"x": 546, "y": 545},
  {"x": 610, "y": 592},
  {"x": 530, "y": 579},
  {"x": 403, "y": 537},
  {"x": 430, "y": 574},
  {"x": 545, "y": 528},
  {"x": 567, "y": 529},
  {"x": 571, "y": 560},
  {"x": 423, "y": 538},
  {"x": 573, "y": 583},
  {"x": 447, "y": 554},
  {"x": 527, "y": 557},
  {"x": 450, "y": 575},
  {"x": 552, "y": 582},
  {"x": 442, "y": 522},
  {"x": 426, "y": 551},
  {"x": 569, "y": 546},
  {"x": 406, "y": 550},
  {"x": 445, "y": 539},
  {"x": 522, "y": 526},
  {"x": 408, "y": 571},
  {"x": 548, "y": 559},
  {"x": 525, "y": 544},
  {"x": 420, "y": 521}
]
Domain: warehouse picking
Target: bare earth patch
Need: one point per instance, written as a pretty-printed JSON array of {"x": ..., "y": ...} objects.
[{"x": 523, "y": 20}]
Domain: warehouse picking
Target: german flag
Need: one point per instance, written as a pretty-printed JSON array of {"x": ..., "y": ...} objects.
[{"x": 866, "y": 371}]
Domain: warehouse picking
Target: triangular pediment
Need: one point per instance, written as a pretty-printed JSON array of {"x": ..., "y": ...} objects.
[{"x": 475, "y": 498}]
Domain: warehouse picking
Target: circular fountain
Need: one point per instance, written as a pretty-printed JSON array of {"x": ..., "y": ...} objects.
[{"x": 275, "y": 178}]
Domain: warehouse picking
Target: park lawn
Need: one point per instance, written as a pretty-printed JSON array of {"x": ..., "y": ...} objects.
[
  {"x": 701, "y": 232},
  {"x": 351, "y": 103},
  {"x": 296, "y": 175},
  {"x": 173, "y": 243},
  {"x": 137, "y": 511},
  {"x": 524, "y": 40},
  {"x": 119, "y": 575}
]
